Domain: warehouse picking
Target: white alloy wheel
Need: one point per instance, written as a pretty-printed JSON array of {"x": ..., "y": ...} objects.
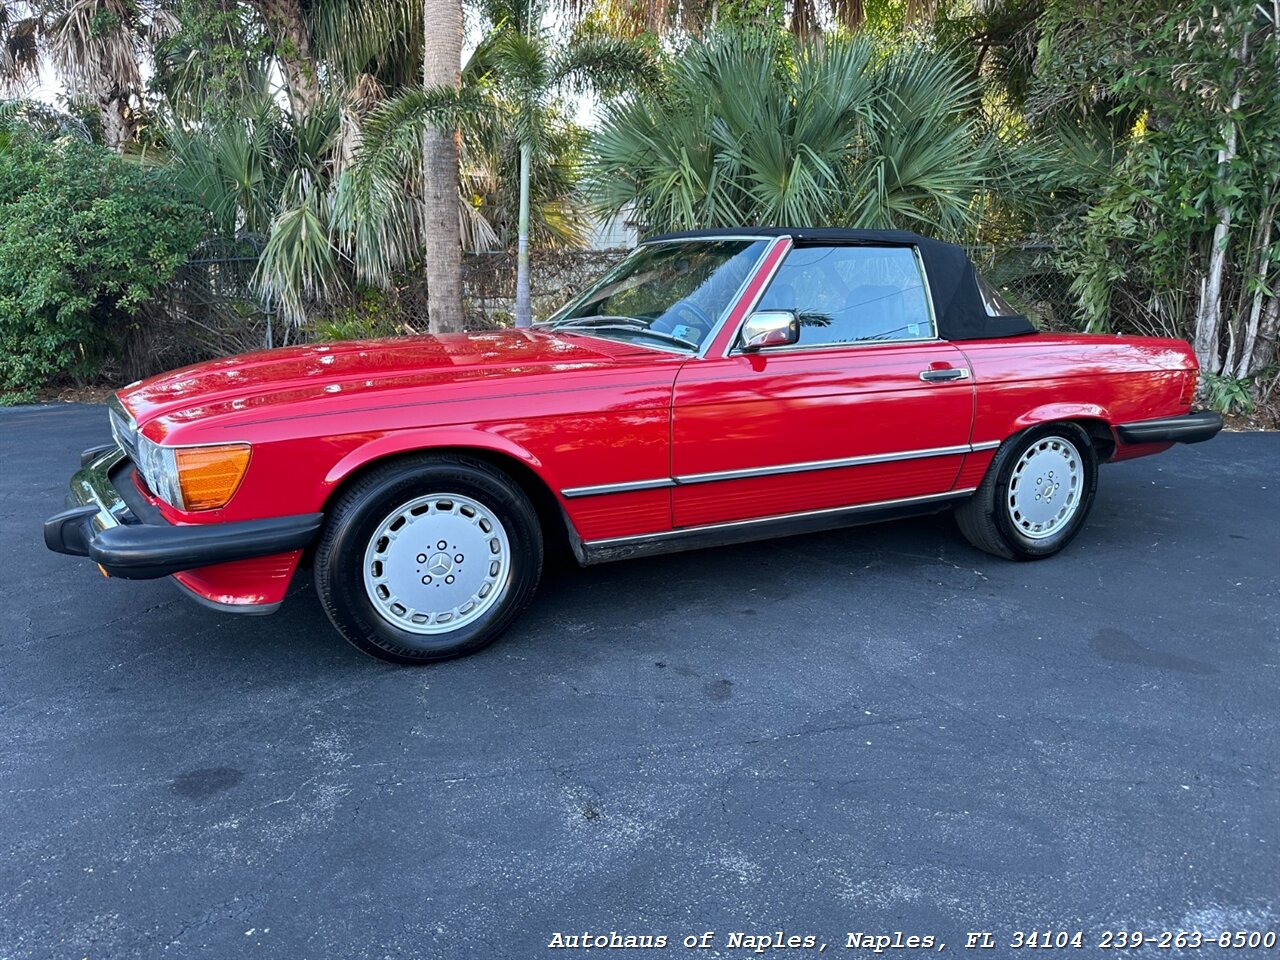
[
  {"x": 437, "y": 563},
  {"x": 1045, "y": 487}
]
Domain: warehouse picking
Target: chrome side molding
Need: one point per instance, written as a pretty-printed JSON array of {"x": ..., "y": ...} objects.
[
  {"x": 777, "y": 470},
  {"x": 627, "y": 487},
  {"x": 811, "y": 465}
]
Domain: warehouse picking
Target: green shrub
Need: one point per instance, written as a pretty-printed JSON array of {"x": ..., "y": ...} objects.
[
  {"x": 367, "y": 317},
  {"x": 86, "y": 238},
  {"x": 1228, "y": 394}
]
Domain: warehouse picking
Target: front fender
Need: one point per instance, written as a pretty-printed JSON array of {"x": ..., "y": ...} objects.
[{"x": 426, "y": 439}]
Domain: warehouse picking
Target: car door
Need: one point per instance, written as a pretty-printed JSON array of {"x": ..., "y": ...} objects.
[{"x": 868, "y": 407}]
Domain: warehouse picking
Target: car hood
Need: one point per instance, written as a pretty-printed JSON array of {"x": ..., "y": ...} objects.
[{"x": 254, "y": 381}]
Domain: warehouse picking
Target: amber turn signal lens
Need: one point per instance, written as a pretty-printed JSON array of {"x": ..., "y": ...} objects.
[
  {"x": 1189, "y": 386},
  {"x": 208, "y": 476}
]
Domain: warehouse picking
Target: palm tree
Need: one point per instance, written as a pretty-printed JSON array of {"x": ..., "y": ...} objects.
[
  {"x": 96, "y": 47},
  {"x": 264, "y": 177},
  {"x": 804, "y": 18},
  {"x": 441, "y": 69},
  {"x": 21, "y": 27},
  {"x": 531, "y": 71},
  {"x": 223, "y": 53},
  {"x": 517, "y": 69},
  {"x": 491, "y": 181},
  {"x": 842, "y": 133},
  {"x": 270, "y": 169}
]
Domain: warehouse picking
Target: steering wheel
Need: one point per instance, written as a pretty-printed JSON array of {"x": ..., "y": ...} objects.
[{"x": 686, "y": 313}]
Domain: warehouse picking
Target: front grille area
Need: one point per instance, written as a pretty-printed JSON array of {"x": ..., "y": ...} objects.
[{"x": 123, "y": 428}]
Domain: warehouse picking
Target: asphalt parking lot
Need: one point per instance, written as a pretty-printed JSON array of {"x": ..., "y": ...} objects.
[{"x": 871, "y": 730}]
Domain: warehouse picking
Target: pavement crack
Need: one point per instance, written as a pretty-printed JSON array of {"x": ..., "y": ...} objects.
[{"x": 131, "y": 615}]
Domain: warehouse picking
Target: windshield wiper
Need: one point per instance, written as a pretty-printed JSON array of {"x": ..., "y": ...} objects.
[
  {"x": 598, "y": 320},
  {"x": 619, "y": 323},
  {"x": 643, "y": 331}
]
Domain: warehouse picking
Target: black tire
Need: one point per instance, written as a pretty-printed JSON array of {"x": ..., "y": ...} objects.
[
  {"x": 986, "y": 519},
  {"x": 360, "y": 511}
]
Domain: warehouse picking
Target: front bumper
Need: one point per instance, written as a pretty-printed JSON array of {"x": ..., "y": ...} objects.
[
  {"x": 1188, "y": 428},
  {"x": 109, "y": 521}
]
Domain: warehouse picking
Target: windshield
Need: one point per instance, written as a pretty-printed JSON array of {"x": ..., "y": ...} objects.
[{"x": 671, "y": 293}]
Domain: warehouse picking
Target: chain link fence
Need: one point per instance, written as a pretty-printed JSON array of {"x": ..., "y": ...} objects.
[{"x": 208, "y": 309}]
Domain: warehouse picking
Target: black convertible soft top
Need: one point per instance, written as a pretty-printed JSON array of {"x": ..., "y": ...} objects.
[{"x": 953, "y": 281}]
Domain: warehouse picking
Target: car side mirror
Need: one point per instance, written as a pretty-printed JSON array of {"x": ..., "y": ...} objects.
[{"x": 770, "y": 328}]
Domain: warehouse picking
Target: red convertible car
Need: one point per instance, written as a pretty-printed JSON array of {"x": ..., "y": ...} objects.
[{"x": 715, "y": 387}]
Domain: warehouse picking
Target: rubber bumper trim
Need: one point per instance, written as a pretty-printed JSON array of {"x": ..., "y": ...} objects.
[
  {"x": 144, "y": 551},
  {"x": 1194, "y": 427}
]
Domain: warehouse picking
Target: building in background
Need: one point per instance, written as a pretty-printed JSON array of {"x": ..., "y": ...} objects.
[{"x": 619, "y": 232}]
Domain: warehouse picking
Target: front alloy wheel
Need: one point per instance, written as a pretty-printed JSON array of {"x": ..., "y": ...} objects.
[
  {"x": 436, "y": 563},
  {"x": 428, "y": 558}
]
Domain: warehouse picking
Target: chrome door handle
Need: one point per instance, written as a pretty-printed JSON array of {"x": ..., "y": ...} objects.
[{"x": 949, "y": 373}]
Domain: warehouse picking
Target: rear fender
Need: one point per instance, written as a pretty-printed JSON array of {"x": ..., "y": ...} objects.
[
  {"x": 1050, "y": 412},
  {"x": 1096, "y": 422}
]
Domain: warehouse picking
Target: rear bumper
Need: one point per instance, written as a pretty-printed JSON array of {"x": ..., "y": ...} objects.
[
  {"x": 110, "y": 522},
  {"x": 1188, "y": 428}
]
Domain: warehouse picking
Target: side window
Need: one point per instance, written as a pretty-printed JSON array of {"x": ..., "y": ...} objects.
[
  {"x": 997, "y": 305},
  {"x": 852, "y": 294}
]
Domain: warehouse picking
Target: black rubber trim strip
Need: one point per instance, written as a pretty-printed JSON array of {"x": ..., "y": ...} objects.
[
  {"x": 1189, "y": 428},
  {"x": 744, "y": 531},
  {"x": 122, "y": 478},
  {"x": 67, "y": 532}
]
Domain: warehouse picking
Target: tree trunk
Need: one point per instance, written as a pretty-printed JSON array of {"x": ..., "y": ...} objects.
[
  {"x": 1209, "y": 313},
  {"x": 524, "y": 308},
  {"x": 1264, "y": 347},
  {"x": 288, "y": 28},
  {"x": 299, "y": 76},
  {"x": 116, "y": 116},
  {"x": 442, "y": 65},
  {"x": 1250, "y": 339}
]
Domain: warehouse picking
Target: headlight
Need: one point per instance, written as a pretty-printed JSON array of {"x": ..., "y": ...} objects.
[
  {"x": 193, "y": 478},
  {"x": 160, "y": 469}
]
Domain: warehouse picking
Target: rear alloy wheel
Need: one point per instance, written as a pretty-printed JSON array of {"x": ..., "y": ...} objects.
[
  {"x": 1036, "y": 494},
  {"x": 1045, "y": 488},
  {"x": 428, "y": 558}
]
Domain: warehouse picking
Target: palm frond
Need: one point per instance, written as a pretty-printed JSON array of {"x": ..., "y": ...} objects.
[
  {"x": 382, "y": 39},
  {"x": 20, "y": 38},
  {"x": 371, "y": 207},
  {"x": 41, "y": 120},
  {"x": 237, "y": 168},
  {"x": 843, "y": 132},
  {"x": 93, "y": 41},
  {"x": 927, "y": 159},
  {"x": 299, "y": 264},
  {"x": 605, "y": 65}
]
